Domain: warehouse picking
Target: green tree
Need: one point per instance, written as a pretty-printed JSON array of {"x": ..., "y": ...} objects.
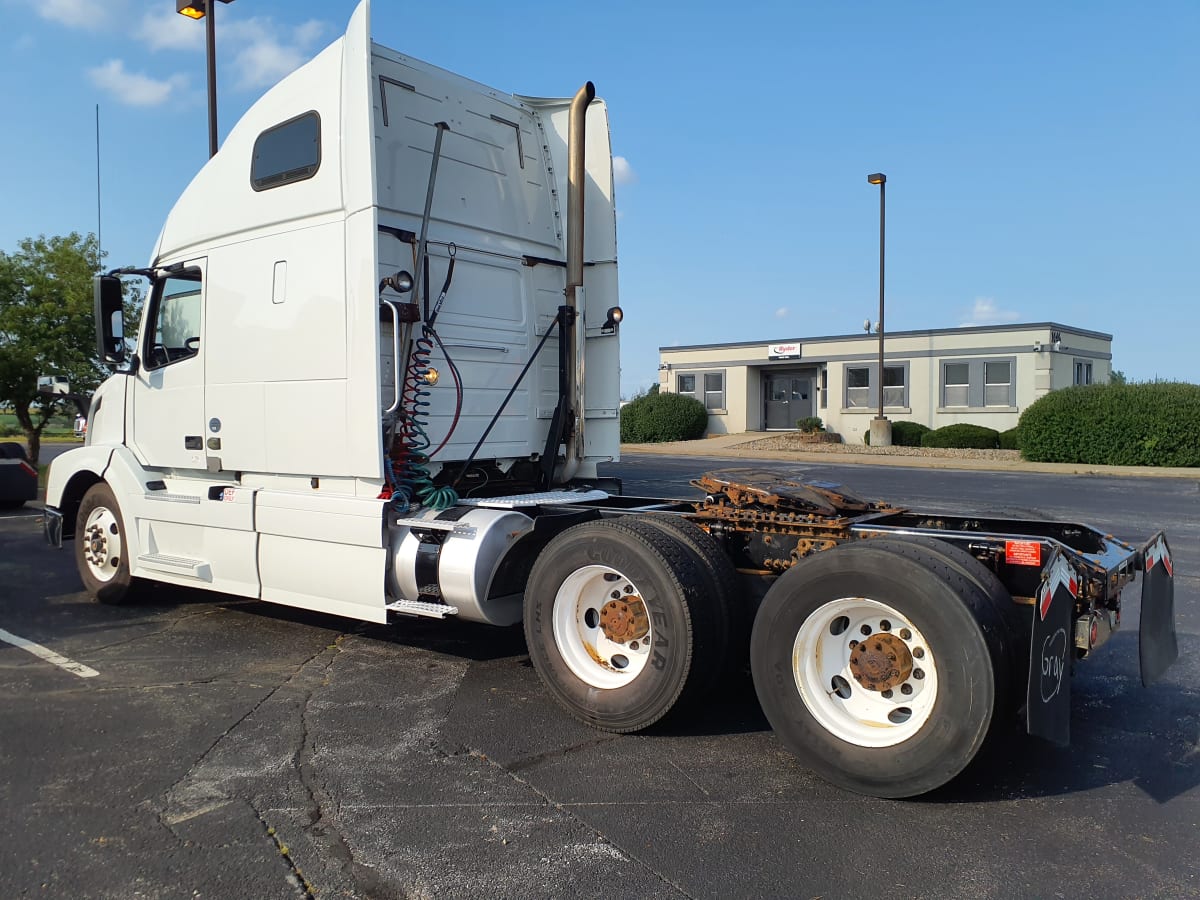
[
  {"x": 47, "y": 326},
  {"x": 1116, "y": 376}
]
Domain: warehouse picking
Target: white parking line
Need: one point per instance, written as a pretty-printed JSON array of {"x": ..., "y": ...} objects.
[{"x": 49, "y": 655}]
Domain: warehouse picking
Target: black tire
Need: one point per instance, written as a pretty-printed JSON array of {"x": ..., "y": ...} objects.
[
  {"x": 94, "y": 549},
  {"x": 732, "y": 603},
  {"x": 1012, "y": 626},
  {"x": 13, "y": 450},
  {"x": 960, "y": 632},
  {"x": 684, "y": 656}
]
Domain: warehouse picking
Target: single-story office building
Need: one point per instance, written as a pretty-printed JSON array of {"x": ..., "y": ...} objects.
[{"x": 985, "y": 375}]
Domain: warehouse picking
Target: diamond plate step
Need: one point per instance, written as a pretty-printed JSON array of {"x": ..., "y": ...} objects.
[{"x": 420, "y": 608}]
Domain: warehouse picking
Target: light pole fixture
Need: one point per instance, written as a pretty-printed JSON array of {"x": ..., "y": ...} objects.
[
  {"x": 204, "y": 9},
  {"x": 881, "y": 431}
]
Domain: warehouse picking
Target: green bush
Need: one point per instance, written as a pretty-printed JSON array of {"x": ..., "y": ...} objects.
[
  {"x": 908, "y": 434},
  {"x": 1010, "y": 440},
  {"x": 1154, "y": 424},
  {"x": 654, "y": 418},
  {"x": 964, "y": 436},
  {"x": 810, "y": 424}
]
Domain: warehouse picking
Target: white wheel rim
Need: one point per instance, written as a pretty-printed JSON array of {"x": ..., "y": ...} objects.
[
  {"x": 833, "y": 692},
  {"x": 591, "y": 654},
  {"x": 102, "y": 545}
]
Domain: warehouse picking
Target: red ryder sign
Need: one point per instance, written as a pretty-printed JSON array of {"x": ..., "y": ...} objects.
[{"x": 783, "y": 351}]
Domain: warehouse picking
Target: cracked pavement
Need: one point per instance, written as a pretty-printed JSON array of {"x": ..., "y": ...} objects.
[{"x": 235, "y": 749}]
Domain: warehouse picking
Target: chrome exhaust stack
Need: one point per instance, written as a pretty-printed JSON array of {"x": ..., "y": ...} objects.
[{"x": 570, "y": 331}]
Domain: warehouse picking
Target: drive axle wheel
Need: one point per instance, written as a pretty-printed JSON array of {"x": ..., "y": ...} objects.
[
  {"x": 864, "y": 672},
  {"x": 880, "y": 665},
  {"x": 601, "y": 627},
  {"x": 620, "y": 623},
  {"x": 101, "y": 547}
]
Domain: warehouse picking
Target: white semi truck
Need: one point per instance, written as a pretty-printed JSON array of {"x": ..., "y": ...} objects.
[{"x": 377, "y": 369}]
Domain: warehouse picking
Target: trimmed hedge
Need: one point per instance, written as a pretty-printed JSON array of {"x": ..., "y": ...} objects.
[
  {"x": 1155, "y": 424},
  {"x": 654, "y": 418},
  {"x": 908, "y": 434},
  {"x": 963, "y": 436},
  {"x": 1011, "y": 439}
]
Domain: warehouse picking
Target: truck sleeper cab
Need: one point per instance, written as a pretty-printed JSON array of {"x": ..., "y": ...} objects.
[{"x": 376, "y": 372}]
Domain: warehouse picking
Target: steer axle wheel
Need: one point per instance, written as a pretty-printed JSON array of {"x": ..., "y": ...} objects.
[
  {"x": 622, "y": 627},
  {"x": 101, "y": 548},
  {"x": 881, "y": 664}
]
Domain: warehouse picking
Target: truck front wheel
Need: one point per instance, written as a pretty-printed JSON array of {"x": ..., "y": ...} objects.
[
  {"x": 621, "y": 623},
  {"x": 878, "y": 664},
  {"x": 101, "y": 548}
]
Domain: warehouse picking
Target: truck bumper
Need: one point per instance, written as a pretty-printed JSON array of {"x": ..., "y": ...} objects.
[{"x": 52, "y": 526}]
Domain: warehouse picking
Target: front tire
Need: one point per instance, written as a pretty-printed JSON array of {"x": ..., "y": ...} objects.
[
  {"x": 101, "y": 549},
  {"x": 621, "y": 624},
  {"x": 878, "y": 664}
]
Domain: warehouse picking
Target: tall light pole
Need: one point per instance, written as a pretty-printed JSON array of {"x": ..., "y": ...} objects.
[
  {"x": 204, "y": 9},
  {"x": 881, "y": 428}
]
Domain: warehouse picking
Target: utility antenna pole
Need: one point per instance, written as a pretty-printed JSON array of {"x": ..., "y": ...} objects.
[{"x": 99, "y": 239}]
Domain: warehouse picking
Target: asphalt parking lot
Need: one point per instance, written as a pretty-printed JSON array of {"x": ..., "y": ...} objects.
[{"x": 228, "y": 748}]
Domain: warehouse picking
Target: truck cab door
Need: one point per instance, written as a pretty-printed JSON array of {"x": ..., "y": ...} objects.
[{"x": 166, "y": 422}]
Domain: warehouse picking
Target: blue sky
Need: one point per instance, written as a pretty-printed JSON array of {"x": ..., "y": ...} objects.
[{"x": 1041, "y": 158}]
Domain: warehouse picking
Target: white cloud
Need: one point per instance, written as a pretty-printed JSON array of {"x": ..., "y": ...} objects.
[
  {"x": 985, "y": 312},
  {"x": 622, "y": 171},
  {"x": 266, "y": 52},
  {"x": 164, "y": 29},
  {"x": 782, "y": 312},
  {"x": 263, "y": 50},
  {"x": 76, "y": 13},
  {"x": 134, "y": 88}
]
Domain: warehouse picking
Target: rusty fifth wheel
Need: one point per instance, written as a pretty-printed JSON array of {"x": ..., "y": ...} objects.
[
  {"x": 620, "y": 623},
  {"x": 878, "y": 663}
]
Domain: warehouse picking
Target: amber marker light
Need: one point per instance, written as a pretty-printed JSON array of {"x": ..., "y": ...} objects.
[{"x": 192, "y": 11}]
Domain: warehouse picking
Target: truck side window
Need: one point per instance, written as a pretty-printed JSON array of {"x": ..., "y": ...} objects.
[
  {"x": 175, "y": 324},
  {"x": 288, "y": 152}
]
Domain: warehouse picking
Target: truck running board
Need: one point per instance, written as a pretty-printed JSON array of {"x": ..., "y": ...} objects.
[
  {"x": 175, "y": 565},
  {"x": 420, "y": 608}
]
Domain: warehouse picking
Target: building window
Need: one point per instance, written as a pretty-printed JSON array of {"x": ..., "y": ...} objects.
[
  {"x": 979, "y": 383},
  {"x": 714, "y": 390},
  {"x": 824, "y": 389},
  {"x": 956, "y": 384},
  {"x": 707, "y": 387},
  {"x": 290, "y": 151},
  {"x": 893, "y": 386},
  {"x": 858, "y": 387},
  {"x": 997, "y": 380},
  {"x": 1083, "y": 372},
  {"x": 861, "y": 391}
]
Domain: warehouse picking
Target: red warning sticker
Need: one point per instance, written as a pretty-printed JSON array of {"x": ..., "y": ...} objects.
[{"x": 1023, "y": 553}]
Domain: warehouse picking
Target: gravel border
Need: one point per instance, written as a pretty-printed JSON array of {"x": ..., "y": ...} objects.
[{"x": 790, "y": 442}]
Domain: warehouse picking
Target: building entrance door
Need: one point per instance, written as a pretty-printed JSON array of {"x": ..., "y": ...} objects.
[{"x": 789, "y": 398}]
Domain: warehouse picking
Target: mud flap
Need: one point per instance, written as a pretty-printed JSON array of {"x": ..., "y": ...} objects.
[
  {"x": 1157, "y": 644},
  {"x": 1048, "y": 698}
]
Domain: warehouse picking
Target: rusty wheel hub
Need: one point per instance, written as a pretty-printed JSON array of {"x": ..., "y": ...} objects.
[
  {"x": 881, "y": 662},
  {"x": 624, "y": 619}
]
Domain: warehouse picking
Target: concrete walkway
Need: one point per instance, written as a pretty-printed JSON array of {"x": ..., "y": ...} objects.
[{"x": 732, "y": 446}]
